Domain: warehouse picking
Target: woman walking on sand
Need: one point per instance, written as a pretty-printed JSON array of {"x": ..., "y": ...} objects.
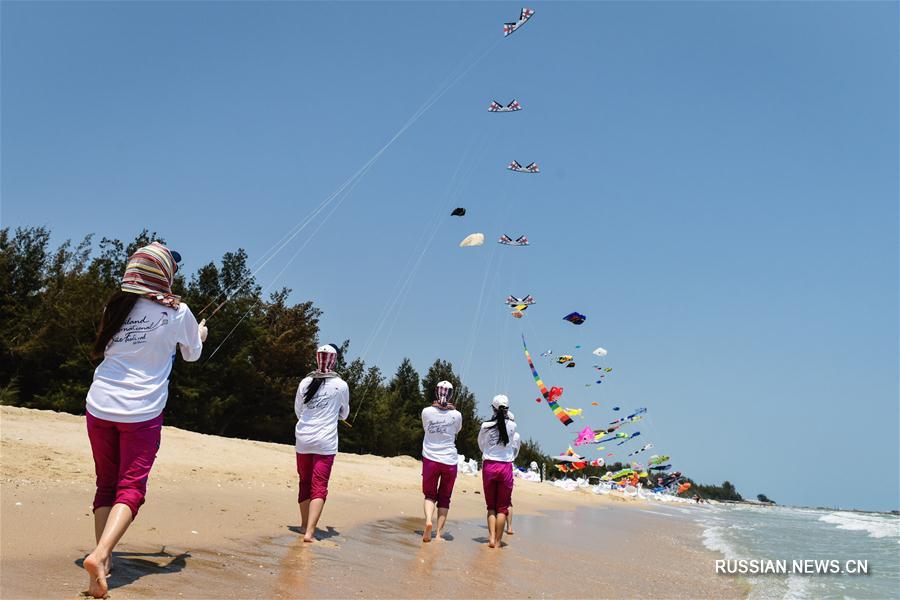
[
  {"x": 441, "y": 422},
  {"x": 323, "y": 399},
  {"x": 141, "y": 326},
  {"x": 499, "y": 445}
]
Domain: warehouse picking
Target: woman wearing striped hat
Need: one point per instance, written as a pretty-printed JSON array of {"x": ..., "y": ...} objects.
[
  {"x": 141, "y": 326},
  {"x": 499, "y": 443},
  {"x": 441, "y": 422},
  {"x": 323, "y": 399}
]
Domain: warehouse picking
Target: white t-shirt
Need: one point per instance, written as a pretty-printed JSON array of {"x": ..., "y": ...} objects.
[
  {"x": 132, "y": 383},
  {"x": 317, "y": 420},
  {"x": 441, "y": 427},
  {"x": 489, "y": 442}
]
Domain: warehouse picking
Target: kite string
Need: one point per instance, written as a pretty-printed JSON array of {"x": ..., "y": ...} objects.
[
  {"x": 442, "y": 89},
  {"x": 413, "y": 262},
  {"x": 441, "y": 216},
  {"x": 293, "y": 257}
]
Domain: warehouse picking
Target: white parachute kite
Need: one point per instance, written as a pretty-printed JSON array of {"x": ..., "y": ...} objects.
[{"x": 474, "y": 239}]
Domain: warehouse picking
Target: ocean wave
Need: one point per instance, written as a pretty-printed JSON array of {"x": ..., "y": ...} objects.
[
  {"x": 714, "y": 540},
  {"x": 875, "y": 526}
]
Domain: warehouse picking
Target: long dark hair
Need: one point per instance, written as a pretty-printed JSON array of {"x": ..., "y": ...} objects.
[
  {"x": 116, "y": 310},
  {"x": 312, "y": 388},
  {"x": 500, "y": 423}
]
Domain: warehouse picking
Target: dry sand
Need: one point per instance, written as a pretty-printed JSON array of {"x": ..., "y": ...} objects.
[{"x": 219, "y": 513}]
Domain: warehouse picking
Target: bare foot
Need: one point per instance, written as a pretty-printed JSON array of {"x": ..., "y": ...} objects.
[
  {"x": 309, "y": 538},
  {"x": 439, "y": 537},
  {"x": 492, "y": 544},
  {"x": 509, "y": 532},
  {"x": 96, "y": 569},
  {"x": 426, "y": 535}
]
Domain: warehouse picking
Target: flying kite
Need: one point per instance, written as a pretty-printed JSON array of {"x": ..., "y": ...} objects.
[
  {"x": 569, "y": 456},
  {"x": 475, "y": 239},
  {"x": 526, "y": 14},
  {"x": 575, "y": 318},
  {"x": 527, "y": 300},
  {"x": 585, "y": 436},
  {"x": 658, "y": 460},
  {"x": 618, "y": 436},
  {"x": 550, "y": 396},
  {"x": 530, "y": 168},
  {"x": 458, "y": 212},
  {"x": 508, "y": 241},
  {"x": 599, "y": 352},
  {"x": 630, "y": 417},
  {"x": 499, "y": 108},
  {"x": 570, "y": 365},
  {"x": 629, "y": 438},
  {"x": 548, "y": 352},
  {"x": 564, "y": 358},
  {"x": 574, "y": 412},
  {"x": 616, "y": 407},
  {"x": 595, "y": 404},
  {"x": 643, "y": 448},
  {"x": 622, "y": 473},
  {"x": 661, "y": 468}
]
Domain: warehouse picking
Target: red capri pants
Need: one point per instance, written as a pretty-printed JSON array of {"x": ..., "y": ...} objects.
[
  {"x": 497, "y": 478},
  {"x": 123, "y": 456},
  {"x": 437, "y": 481},
  {"x": 314, "y": 471}
]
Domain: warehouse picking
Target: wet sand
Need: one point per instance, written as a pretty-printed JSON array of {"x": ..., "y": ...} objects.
[{"x": 220, "y": 512}]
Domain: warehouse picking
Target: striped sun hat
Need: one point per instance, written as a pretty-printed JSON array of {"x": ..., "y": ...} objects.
[
  {"x": 326, "y": 358},
  {"x": 150, "y": 272}
]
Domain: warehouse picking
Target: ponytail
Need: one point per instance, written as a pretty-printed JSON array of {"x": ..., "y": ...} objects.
[
  {"x": 311, "y": 390},
  {"x": 115, "y": 311},
  {"x": 500, "y": 424}
]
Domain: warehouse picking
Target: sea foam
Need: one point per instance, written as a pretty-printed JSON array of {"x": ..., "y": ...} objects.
[{"x": 877, "y": 526}]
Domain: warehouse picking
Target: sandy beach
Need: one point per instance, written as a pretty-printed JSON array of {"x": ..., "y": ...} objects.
[{"x": 221, "y": 515}]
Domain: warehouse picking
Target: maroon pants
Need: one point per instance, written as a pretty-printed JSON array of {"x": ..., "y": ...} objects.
[
  {"x": 123, "y": 456},
  {"x": 437, "y": 481},
  {"x": 497, "y": 479},
  {"x": 314, "y": 471}
]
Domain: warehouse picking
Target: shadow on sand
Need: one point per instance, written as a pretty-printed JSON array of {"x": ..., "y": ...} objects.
[
  {"x": 321, "y": 534},
  {"x": 128, "y": 567}
]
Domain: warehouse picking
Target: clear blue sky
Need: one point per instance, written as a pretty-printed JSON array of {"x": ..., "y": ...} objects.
[{"x": 719, "y": 195}]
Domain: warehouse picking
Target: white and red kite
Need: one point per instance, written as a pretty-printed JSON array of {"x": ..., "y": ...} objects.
[
  {"x": 508, "y": 241},
  {"x": 511, "y": 107},
  {"x": 508, "y": 28},
  {"x": 530, "y": 168}
]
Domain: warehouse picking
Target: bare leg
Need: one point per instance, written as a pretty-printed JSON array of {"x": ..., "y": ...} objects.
[
  {"x": 117, "y": 523},
  {"x": 304, "y": 515},
  {"x": 442, "y": 520},
  {"x": 429, "y": 515},
  {"x": 492, "y": 525},
  {"x": 100, "y": 517},
  {"x": 315, "y": 511},
  {"x": 501, "y": 523},
  {"x": 509, "y": 530}
]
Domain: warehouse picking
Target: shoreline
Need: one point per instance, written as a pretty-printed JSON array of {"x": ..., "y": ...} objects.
[{"x": 218, "y": 506}]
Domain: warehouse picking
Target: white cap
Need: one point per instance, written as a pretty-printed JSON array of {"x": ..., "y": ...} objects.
[
  {"x": 445, "y": 384},
  {"x": 500, "y": 400},
  {"x": 327, "y": 348}
]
